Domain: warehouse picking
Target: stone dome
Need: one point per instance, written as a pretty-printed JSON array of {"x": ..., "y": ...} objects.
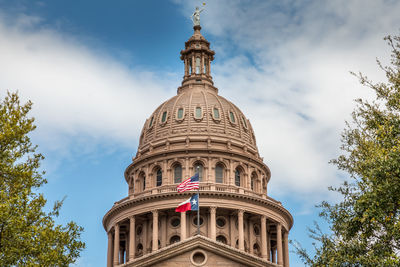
[
  {"x": 198, "y": 112},
  {"x": 197, "y": 132}
]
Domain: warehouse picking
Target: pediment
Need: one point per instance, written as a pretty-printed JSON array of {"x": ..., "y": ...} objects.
[{"x": 199, "y": 251}]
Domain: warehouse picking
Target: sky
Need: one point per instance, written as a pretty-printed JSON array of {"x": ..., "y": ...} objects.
[{"x": 95, "y": 70}]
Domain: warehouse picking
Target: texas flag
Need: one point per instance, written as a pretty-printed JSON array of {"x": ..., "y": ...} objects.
[{"x": 189, "y": 204}]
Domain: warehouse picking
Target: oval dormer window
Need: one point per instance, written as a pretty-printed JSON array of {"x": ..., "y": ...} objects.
[
  {"x": 164, "y": 117},
  {"x": 198, "y": 113},
  {"x": 180, "y": 113},
  {"x": 232, "y": 117},
  {"x": 216, "y": 113}
]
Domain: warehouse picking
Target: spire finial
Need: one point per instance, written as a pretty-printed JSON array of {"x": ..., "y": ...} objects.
[{"x": 196, "y": 15}]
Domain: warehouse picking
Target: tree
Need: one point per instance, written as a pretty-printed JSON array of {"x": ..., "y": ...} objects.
[
  {"x": 28, "y": 235},
  {"x": 365, "y": 225}
]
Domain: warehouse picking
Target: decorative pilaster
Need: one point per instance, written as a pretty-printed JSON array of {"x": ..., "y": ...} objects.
[
  {"x": 164, "y": 231},
  {"x": 116, "y": 244},
  {"x": 241, "y": 229},
  {"x": 132, "y": 243},
  {"x": 264, "y": 251},
  {"x": 279, "y": 243},
  {"x": 183, "y": 226},
  {"x": 213, "y": 211}
]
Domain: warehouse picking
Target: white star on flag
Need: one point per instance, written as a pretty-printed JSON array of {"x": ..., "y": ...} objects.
[{"x": 194, "y": 201}]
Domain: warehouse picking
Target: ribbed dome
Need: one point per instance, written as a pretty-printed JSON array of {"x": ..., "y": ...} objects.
[{"x": 198, "y": 111}]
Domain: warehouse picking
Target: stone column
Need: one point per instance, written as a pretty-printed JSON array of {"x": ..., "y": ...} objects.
[
  {"x": 286, "y": 249},
  {"x": 213, "y": 211},
  {"x": 183, "y": 226},
  {"x": 241, "y": 230},
  {"x": 132, "y": 234},
  {"x": 264, "y": 252},
  {"x": 279, "y": 243},
  {"x": 110, "y": 250},
  {"x": 155, "y": 230},
  {"x": 116, "y": 244}
]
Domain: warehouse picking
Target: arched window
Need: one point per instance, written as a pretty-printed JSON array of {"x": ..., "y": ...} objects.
[
  {"x": 205, "y": 68},
  {"x": 141, "y": 182},
  {"x": 174, "y": 239},
  {"x": 178, "y": 174},
  {"x": 198, "y": 65},
  {"x": 190, "y": 66},
  {"x": 253, "y": 181},
  {"x": 219, "y": 173},
  {"x": 237, "y": 177},
  {"x": 158, "y": 177},
  {"x": 198, "y": 166},
  {"x": 222, "y": 239}
]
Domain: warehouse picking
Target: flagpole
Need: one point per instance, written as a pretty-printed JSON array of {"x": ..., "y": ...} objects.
[{"x": 198, "y": 203}]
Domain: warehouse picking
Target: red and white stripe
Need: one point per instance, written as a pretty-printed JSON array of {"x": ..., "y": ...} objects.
[{"x": 188, "y": 185}]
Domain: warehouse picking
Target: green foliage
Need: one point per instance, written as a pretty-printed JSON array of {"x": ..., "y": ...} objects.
[
  {"x": 365, "y": 225},
  {"x": 28, "y": 235}
]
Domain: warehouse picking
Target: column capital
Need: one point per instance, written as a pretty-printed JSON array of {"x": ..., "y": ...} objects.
[
  {"x": 264, "y": 218},
  {"x": 155, "y": 212},
  {"x": 132, "y": 218},
  {"x": 213, "y": 209},
  {"x": 240, "y": 212}
]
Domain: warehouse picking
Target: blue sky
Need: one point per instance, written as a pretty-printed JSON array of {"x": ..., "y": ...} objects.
[{"x": 95, "y": 71}]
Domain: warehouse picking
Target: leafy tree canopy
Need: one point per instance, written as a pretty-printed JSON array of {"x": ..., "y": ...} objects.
[
  {"x": 28, "y": 235},
  {"x": 365, "y": 225}
]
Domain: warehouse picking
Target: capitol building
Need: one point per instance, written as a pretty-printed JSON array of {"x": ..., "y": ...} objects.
[{"x": 198, "y": 129}]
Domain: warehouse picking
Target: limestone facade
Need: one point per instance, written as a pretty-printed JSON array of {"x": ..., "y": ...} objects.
[{"x": 198, "y": 130}]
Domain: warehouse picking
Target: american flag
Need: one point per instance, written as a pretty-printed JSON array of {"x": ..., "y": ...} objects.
[{"x": 189, "y": 184}]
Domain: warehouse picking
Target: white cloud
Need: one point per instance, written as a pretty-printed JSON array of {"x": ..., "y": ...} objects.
[
  {"x": 293, "y": 60},
  {"x": 76, "y": 91}
]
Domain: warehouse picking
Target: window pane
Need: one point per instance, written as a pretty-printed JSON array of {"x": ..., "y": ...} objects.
[
  {"x": 237, "y": 177},
  {"x": 219, "y": 174},
  {"x": 164, "y": 116},
  {"x": 180, "y": 113},
  {"x": 198, "y": 112},
  {"x": 151, "y": 122},
  {"x": 144, "y": 182},
  {"x": 232, "y": 116},
  {"x": 159, "y": 177},
  {"x": 178, "y": 174},
  {"x": 216, "y": 113}
]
